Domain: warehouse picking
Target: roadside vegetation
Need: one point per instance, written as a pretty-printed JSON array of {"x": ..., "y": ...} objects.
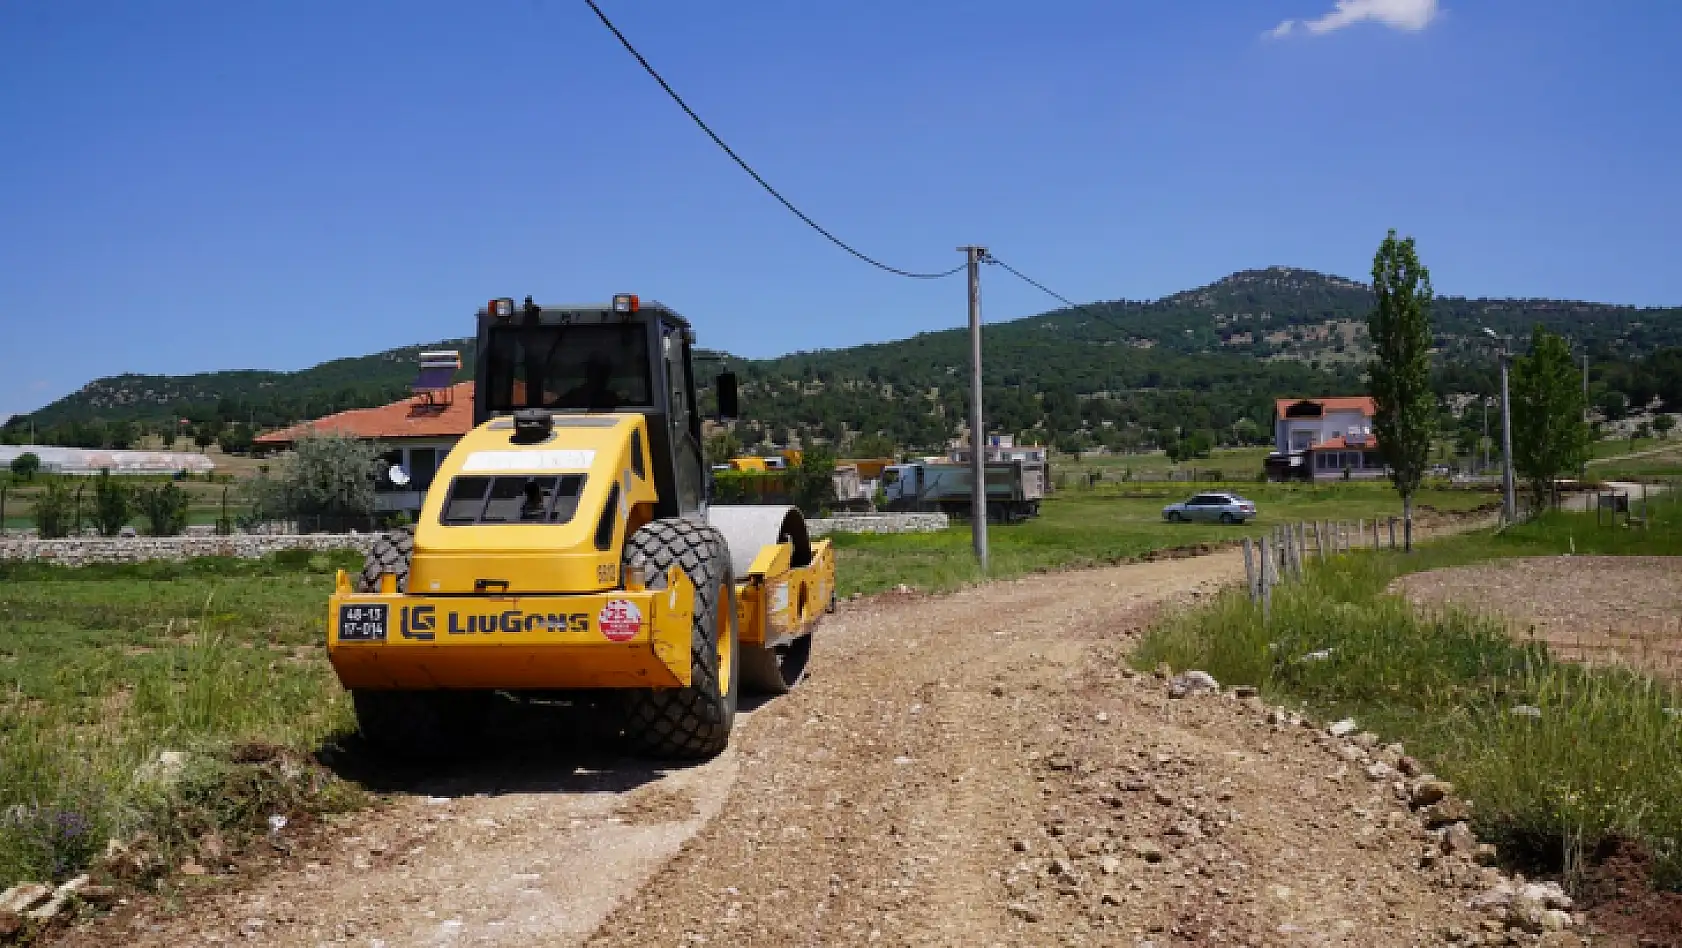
[
  {"x": 1111, "y": 523},
  {"x": 1557, "y": 758},
  {"x": 168, "y": 702}
]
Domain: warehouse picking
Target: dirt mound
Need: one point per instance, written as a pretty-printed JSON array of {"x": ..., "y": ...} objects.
[
  {"x": 1618, "y": 892},
  {"x": 1596, "y": 609}
]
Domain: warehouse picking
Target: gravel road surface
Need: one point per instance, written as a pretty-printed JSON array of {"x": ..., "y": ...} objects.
[{"x": 971, "y": 769}]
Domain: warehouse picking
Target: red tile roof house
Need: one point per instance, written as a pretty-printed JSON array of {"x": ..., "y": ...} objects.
[
  {"x": 416, "y": 432},
  {"x": 1322, "y": 438}
]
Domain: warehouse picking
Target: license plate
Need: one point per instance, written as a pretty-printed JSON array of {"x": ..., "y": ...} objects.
[{"x": 362, "y": 623}]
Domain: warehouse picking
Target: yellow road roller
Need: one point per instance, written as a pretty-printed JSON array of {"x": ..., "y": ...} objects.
[{"x": 567, "y": 543}]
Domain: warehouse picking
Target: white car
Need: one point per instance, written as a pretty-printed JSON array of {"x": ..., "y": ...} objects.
[{"x": 1223, "y": 508}]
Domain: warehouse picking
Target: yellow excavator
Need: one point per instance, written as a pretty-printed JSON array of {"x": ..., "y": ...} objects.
[{"x": 567, "y": 544}]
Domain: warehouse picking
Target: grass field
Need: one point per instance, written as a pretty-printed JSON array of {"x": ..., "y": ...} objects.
[
  {"x": 1601, "y": 756},
  {"x": 103, "y": 667},
  {"x": 1661, "y": 460},
  {"x": 1112, "y": 524},
  {"x": 1617, "y": 447}
]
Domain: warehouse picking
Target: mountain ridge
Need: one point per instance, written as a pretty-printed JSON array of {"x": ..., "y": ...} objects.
[{"x": 1217, "y": 353}]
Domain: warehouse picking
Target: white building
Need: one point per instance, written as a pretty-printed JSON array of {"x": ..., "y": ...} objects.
[{"x": 1324, "y": 438}]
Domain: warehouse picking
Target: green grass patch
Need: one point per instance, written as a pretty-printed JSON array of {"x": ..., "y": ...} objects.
[
  {"x": 1113, "y": 524},
  {"x": 1603, "y": 759},
  {"x": 103, "y": 667},
  {"x": 1618, "y": 447}
]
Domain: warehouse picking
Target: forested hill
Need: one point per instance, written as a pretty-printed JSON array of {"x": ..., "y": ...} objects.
[{"x": 1205, "y": 359}]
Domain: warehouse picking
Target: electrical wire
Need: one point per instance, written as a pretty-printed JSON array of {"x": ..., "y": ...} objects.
[
  {"x": 749, "y": 169},
  {"x": 1032, "y": 282},
  {"x": 1092, "y": 308}
]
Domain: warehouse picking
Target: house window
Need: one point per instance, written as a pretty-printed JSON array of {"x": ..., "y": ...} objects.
[{"x": 1375, "y": 461}]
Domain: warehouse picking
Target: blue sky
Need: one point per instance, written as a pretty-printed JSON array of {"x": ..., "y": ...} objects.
[{"x": 190, "y": 186}]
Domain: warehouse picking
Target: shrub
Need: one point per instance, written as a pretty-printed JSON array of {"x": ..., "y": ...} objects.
[
  {"x": 813, "y": 480},
  {"x": 165, "y": 509},
  {"x": 53, "y": 511},
  {"x": 111, "y": 504},
  {"x": 328, "y": 477}
]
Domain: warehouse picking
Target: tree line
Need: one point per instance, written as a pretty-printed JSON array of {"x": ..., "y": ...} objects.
[
  {"x": 1198, "y": 367},
  {"x": 1550, "y": 430}
]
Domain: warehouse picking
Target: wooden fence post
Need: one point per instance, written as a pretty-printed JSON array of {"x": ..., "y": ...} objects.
[
  {"x": 1295, "y": 556},
  {"x": 1392, "y": 533},
  {"x": 1266, "y": 579},
  {"x": 1249, "y": 569}
]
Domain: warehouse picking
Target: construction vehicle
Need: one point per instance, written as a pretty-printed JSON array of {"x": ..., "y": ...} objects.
[
  {"x": 771, "y": 480},
  {"x": 869, "y": 469},
  {"x": 1014, "y": 489},
  {"x": 567, "y": 547},
  {"x": 784, "y": 460}
]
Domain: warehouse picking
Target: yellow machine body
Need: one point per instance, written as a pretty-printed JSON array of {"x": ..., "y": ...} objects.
[{"x": 548, "y": 605}]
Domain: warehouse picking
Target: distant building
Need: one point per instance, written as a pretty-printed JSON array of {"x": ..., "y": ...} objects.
[
  {"x": 999, "y": 448},
  {"x": 1322, "y": 438},
  {"x": 89, "y": 461},
  {"x": 415, "y": 433}
]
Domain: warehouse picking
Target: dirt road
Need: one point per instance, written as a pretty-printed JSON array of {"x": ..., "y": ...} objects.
[{"x": 973, "y": 769}]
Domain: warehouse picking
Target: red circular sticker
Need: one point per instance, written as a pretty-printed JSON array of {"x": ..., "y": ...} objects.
[{"x": 619, "y": 620}]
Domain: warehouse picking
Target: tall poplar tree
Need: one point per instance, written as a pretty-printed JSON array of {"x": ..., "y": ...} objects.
[{"x": 1400, "y": 372}]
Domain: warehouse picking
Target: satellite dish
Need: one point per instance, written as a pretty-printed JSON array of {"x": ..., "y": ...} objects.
[{"x": 397, "y": 475}]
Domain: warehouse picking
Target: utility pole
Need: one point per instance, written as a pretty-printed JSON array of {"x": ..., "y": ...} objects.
[
  {"x": 1583, "y": 469},
  {"x": 977, "y": 433},
  {"x": 1508, "y": 507},
  {"x": 1483, "y": 444}
]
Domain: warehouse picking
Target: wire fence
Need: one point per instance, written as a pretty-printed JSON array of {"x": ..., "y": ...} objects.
[{"x": 1283, "y": 555}]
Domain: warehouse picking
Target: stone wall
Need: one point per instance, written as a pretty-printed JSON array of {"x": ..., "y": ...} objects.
[
  {"x": 879, "y": 523},
  {"x": 79, "y": 551}
]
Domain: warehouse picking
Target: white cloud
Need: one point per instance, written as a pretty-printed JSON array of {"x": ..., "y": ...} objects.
[{"x": 1409, "y": 15}]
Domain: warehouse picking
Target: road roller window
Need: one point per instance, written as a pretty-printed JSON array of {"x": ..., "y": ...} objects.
[
  {"x": 512, "y": 498},
  {"x": 569, "y": 368}
]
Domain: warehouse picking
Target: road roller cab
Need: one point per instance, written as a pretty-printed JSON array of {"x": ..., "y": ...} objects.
[{"x": 567, "y": 543}]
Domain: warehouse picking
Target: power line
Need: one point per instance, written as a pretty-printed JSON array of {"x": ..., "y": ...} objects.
[
  {"x": 1033, "y": 282},
  {"x": 749, "y": 169},
  {"x": 1098, "y": 314}
]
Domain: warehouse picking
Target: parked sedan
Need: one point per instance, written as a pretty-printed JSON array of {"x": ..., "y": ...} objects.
[{"x": 1226, "y": 508}]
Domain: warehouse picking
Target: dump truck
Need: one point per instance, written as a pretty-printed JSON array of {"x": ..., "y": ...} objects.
[
  {"x": 1014, "y": 488},
  {"x": 567, "y": 547}
]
